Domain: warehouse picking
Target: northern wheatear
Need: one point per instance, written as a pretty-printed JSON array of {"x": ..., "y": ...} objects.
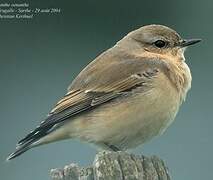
[{"x": 126, "y": 96}]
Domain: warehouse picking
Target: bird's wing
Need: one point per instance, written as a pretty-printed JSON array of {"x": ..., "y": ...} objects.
[{"x": 93, "y": 88}]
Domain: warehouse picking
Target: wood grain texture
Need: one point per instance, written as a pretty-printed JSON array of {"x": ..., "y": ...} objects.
[{"x": 115, "y": 166}]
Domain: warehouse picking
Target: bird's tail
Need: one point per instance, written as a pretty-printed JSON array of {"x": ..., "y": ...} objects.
[
  {"x": 20, "y": 150},
  {"x": 29, "y": 141}
]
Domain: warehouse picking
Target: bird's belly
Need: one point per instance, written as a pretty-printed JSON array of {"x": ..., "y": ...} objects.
[{"x": 130, "y": 121}]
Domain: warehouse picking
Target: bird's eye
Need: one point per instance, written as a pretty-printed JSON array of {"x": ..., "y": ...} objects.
[{"x": 160, "y": 43}]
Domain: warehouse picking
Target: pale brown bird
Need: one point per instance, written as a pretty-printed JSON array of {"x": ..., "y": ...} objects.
[{"x": 126, "y": 96}]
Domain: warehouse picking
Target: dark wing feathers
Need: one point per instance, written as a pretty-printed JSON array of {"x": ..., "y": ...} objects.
[
  {"x": 104, "y": 98},
  {"x": 95, "y": 85},
  {"x": 64, "y": 112},
  {"x": 78, "y": 101}
]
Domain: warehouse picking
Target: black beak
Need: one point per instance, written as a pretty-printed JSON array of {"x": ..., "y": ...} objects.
[{"x": 188, "y": 42}]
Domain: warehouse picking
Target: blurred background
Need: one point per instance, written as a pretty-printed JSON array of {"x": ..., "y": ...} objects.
[{"x": 39, "y": 58}]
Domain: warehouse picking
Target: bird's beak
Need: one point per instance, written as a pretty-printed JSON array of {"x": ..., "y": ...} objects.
[{"x": 188, "y": 42}]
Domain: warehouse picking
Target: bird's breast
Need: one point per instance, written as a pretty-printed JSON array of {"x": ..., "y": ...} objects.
[{"x": 153, "y": 111}]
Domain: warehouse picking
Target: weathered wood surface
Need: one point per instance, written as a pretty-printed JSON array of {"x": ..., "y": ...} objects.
[{"x": 115, "y": 166}]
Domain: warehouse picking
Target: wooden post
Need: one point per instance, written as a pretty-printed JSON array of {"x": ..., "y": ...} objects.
[{"x": 115, "y": 166}]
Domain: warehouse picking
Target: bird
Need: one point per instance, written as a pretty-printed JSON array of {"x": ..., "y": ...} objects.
[{"x": 125, "y": 97}]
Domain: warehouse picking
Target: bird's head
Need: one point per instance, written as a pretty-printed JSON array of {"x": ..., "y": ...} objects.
[{"x": 160, "y": 40}]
